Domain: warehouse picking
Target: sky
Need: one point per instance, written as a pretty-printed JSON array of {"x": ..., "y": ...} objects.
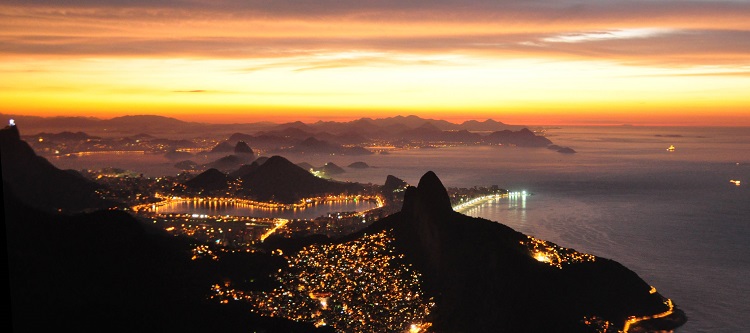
[{"x": 535, "y": 62}]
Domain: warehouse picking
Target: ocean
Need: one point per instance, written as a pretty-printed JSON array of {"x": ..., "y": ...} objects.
[{"x": 673, "y": 217}]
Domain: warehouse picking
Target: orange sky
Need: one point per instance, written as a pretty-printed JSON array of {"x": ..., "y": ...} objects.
[{"x": 523, "y": 62}]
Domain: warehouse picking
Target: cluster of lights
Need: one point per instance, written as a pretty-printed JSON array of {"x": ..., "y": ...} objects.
[
  {"x": 474, "y": 202},
  {"x": 302, "y": 204},
  {"x": 203, "y": 251},
  {"x": 632, "y": 320},
  {"x": 554, "y": 255},
  {"x": 357, "y": 286},
  {"x": 599, "y": 325}
]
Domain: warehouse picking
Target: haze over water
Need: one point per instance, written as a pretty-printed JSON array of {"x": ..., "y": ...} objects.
[{"x": 672, "y": 217}]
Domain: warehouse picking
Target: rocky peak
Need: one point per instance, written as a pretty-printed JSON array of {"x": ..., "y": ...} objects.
[
  {"x": 242, "y": 148},
  {"x": 429, "y": 201}
]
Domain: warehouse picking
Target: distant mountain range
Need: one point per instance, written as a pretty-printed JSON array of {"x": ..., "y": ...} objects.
[{"x": 341, "y": 132}]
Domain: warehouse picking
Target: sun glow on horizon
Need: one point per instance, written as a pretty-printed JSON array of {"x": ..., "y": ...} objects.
[{"x": 225, "y": 68}]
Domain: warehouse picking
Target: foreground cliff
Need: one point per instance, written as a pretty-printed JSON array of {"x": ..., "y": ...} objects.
[
  {"x": 40, "y": 184},
  {"x": 486, "y": 277}
]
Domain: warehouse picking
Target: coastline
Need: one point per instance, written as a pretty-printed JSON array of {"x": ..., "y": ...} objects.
[{"x": 669, "y": 323}]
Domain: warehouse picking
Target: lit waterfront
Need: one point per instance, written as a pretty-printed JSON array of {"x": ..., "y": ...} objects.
[
  {"x": 306, "y": 209},
  {"x": 240, "y": 231}
]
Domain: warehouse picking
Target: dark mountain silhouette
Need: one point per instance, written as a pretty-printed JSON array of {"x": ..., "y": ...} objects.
[
  {"x": 305, "y": 165},
  {"x": 107, "y": 272},
  {"x": 209, "y": 180},
  {"x": 461, "y": 136},
  {"x": 223, "y": 147},
  {"x": 265, "y": 141},
  {"x": 521, "y": 138},
  {"x": 242, "y": 148},
  {"x": 294, "y": 125},
  {"x": 40, "y": 184},
  {"x": 244, "y": 170},
  {"x": 359, "y": 165},
  {"x": 485, "y": 279},
  {"x": 366, "y": 127},
  {"x": 487, "y": 125},
  {"x": 261, "y": 159},
  {"x": 280, "y": 180},
  {"x": 393, "y": 189},
  {"x": 229, "y": 162},
  {"x": 331, "y": 168}
]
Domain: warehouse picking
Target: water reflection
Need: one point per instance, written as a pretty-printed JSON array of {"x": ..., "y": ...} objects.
[{"x": 210, "y": 207}]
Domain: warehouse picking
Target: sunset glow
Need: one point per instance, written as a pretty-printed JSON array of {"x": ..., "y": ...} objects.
[{"x": 562, "y": 62}]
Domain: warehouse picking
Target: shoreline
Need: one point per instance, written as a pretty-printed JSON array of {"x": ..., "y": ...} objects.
[{"x": 662, "y": 324}]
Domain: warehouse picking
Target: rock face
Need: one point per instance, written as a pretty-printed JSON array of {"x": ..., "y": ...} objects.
[
  {"x": 40, "y": 184},
  {"x": 485, "y": 278}
]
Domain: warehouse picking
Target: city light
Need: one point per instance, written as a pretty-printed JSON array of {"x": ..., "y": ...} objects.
[{"x": 358, "y": 286}]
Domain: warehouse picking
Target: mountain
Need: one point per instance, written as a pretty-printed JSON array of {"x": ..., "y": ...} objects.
[
  {"x": 108, "y": 272},
  {"x": 521, "y": 138},
  {"x": 209, "y": 180},
  {"x": 244, "y": 170},
  {"x": 312, "y": 145},
  {"x": 487, "y": 277},
  {"x": 265, "y": 141},
  {"x": 331, "y": 168},
  {"x": 242, "y": 148},
  {"x": 280, "y": 180},
  {"x": 40, "y": 184},
  {"x": 393, "y": 189},
  {"x": 488, "y": 125},
  {"x": 223, "y": 147},
  {"x": 305, "y": 165},
  {"x": 229, "y": 162},
  {"x": 358, "y": 165}
]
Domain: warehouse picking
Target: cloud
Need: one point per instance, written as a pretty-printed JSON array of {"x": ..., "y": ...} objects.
[{"x": 634, "y": 32}]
